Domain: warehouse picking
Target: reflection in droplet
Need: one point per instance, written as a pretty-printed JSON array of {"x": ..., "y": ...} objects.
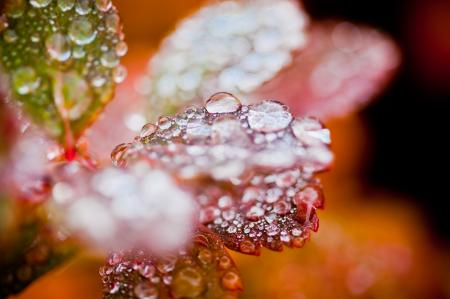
[
  {"x": 58, "y": 47},
  {"x": 25, "y": 80},
  {"x": 81, "y": 31}
]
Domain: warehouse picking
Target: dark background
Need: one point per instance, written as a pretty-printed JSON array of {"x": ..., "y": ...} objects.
[{"x": 409, "y": 122}]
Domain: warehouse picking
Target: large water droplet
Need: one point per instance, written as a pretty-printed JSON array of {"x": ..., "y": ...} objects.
[
  {"x": 222, "y": 102},
  {"x": 255, "y": 213},
  {"x": 25, "y": 80},
  {"x": 81, "y": 31},
  {"x": 231, "y": 281},
  {"x": 148, "y": 130},
  {"x": 119, "y": 74},
  {"x": 205, "y": 256},
  {"x": 58, "y": 47},
  {"x": 145, "y": 290},
  {"x": 15, "y": 8},
  {"x": 83, "y": 7},
  {"x": 40, "y": 3},
  {"x": 112, "y": 22},
  {"x": 66, "y": 5},
  {"x": 109, "y": 59},
  {"x": 268, "y": 116},
  {"x": 188, "y": 282},
  {"x": 121, "y": 48},
  {"x": 224, "y": 262},
  {"x": 118, "y": 154},
  {"x": 310, "y": 131},
  {"x": 103, "y": 5}
]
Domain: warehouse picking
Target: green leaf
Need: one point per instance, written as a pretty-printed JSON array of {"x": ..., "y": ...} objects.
[{"x": 61, "y": 58}]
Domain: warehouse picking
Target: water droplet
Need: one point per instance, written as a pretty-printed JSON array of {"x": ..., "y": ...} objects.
[
  {"x": 146, "y": 270},
  {"x": 40, "y": 3},
  {"x": 66, "y": 5},
  {"x": 109, "y": 59},
  {"x": 247, "y": 247},
  {"x": 145, "y": 290},
  {"x": 112, "y": 22},
  {"x": 148, "y": 130},
  {"x": 222, "y": 102},
  {"x": 115, "y": 288},
  {"x": 117, "y": 155},
  {"x": 119, "y": 74},
  {"x": 114, "y": 258},
  {"x": 121, "y": 49},
  {"x": 98, "y": 81},
  {"x": 58, "y": 47},
  {"x": 231, "y": 281},
  {"x": 25, "y": 80},
  {"x": 197, "y": 129},
  {"x": 310, "y": 132},
  {"x": 282, "y": 207},
  {"x": 188, "y": 283},
  {"x": 78, "y": 52},
  {"x": 224, "y": 262},
  {"x": 232, "y": 229},
  {"x": 10, "y": 36},
  {"x": 166, "y": 266},
  {"x": 103, "y": 5},
  {"x": 83, "y": 7},
  {"x": 81, "y": 31},
  {"x": 15, "y": 8},
  {"x": 205, "y": 256},
  {"x": 35, "y": 38},
  {"x": 255, "y": 213},
  {"x": 268, "y": 116}
]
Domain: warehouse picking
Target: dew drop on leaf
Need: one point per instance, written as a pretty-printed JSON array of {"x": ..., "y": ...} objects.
[
  {"x": 188, "y": 282},
  {"x": 103, "y": 5},
  {"x": 58, "y": 47},
  {"x": 40, "y": 3},
  {"x": 66, "y": 5},
  {"x": 222, "y": 103},
  {"x": 83, "y": 7},
  {"x": 268, "y": 116},
  {"x": 81, "y": 31},
  {"x": 25, "y": 80}
]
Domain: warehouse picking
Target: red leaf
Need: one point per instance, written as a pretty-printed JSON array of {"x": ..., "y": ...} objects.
[
  {"x": 204, "y": 270},
  {"x": 342, "y": 67},
  {"x": 251, "y": 168}
]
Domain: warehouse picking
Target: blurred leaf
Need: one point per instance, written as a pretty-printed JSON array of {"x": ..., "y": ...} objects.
[
  {"x": 204, "y": 270},
  {"x": 29, "y": 247},
  {"x": 62, "y": 61}
]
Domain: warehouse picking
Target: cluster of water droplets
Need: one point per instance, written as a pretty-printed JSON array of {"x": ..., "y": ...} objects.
[
  {"x": 228, "y": 45},
  {"x": 118, "y": 209},
  {"x": 63, "y": 51},
  {"x": 203, "y": 270},
  {"x": 261, "y": 158}
]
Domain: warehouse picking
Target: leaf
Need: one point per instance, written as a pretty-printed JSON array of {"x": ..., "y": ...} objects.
[
  {"x": 251, "y": 168},
  {"x": 204, "y": 270},
  {"x": 233, "y": 46},
  {"x": 342, "y": 67},
  {"x": 62, "y": 61},
  {"x": 29, "y": 246}
]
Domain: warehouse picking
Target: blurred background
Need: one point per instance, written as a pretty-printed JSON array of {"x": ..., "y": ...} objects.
[{"x": 385, "y": 231}]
